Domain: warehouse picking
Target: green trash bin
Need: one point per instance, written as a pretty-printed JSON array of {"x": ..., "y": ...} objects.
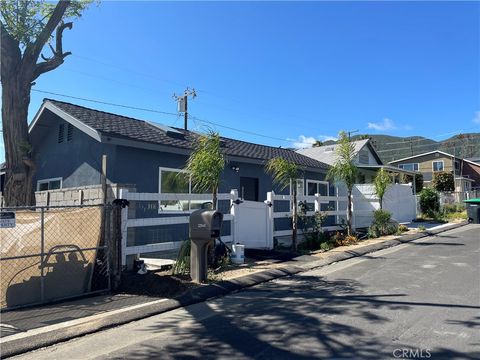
[{"x": 473, "y": 210}]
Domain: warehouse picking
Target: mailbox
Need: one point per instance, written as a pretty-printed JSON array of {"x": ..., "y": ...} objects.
[{"x": 205, "y": 225}]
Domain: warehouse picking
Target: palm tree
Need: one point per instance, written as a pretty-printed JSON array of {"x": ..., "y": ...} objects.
[
  {"x": 345, "y": 170},
  {"x": 206, "y": 164},
  {"x": 285, "y": 173},
  {"x": 381, "y": 182}
]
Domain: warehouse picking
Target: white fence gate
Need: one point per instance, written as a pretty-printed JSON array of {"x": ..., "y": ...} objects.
[
  {"x": 398, "y": 200},
  {"x": 251, "y": 225}
]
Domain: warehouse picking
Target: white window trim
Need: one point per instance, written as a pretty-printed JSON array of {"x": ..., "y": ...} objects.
[
  {"x": 43, "y": 181},
  {"x": 160, "y": 169},
  {"x": 437, "y": 161},
  {"x": 318, "y": 182},
  {"x": 297, "y": 180},
  {"x": 172, "y": 170}
]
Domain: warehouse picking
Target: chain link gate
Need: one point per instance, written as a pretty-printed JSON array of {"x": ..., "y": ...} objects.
[{"x": 53, "y": 253}]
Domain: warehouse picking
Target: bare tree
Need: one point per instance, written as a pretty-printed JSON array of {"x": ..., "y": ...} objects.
[{"x": 26, "y": 26}]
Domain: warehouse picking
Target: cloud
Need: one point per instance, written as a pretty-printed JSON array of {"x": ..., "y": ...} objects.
[
  {"x": 307, "y": 141},
  {"x": 476, "y": 119},
  {"x": 384, "y": 125}
]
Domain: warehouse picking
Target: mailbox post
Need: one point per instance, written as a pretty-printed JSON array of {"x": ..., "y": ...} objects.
[{"x": 205, "y": 225}]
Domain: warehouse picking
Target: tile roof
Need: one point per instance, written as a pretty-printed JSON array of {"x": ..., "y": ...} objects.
[{"x": 127, "y": 127}]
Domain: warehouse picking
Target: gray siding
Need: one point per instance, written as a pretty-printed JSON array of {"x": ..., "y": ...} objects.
[{"x": 77, "y": 162}]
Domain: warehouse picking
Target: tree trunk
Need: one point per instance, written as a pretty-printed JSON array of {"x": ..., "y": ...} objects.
[
  {"x": 349, "y": 213},
  {"x": 294, "y": 220},
  {"x": 18, "y": 151},
  {"x": 381, "y": 202}
]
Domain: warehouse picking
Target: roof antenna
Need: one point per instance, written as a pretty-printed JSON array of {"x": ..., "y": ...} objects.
[{"x": 182, "y": 104}]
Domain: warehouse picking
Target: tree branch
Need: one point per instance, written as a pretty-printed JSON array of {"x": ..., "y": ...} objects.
[
  {"x": 32, "y": 52},
  {"x": 58, "y": 55}
]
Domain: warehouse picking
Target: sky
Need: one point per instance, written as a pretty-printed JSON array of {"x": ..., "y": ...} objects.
[{"x": 278, "y": 73}]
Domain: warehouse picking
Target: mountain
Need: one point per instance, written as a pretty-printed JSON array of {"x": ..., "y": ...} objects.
[{"x": 391, "y": 148}]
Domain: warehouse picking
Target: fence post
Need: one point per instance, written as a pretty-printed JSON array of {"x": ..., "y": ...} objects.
[
  {"x": 116, "y": 248},
  {"x": 124, "y": 217},
  {"x": 354, "y": 220},
  {"x": 234, "y": 213},
  {"x": 317, "y": 202},
  {"x": 270, "y": 218},
  {"x": 42, "y": 254},
  {"x": 337, "y": 208}
]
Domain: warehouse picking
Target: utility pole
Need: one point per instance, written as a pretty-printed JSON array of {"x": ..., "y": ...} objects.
[
  {"x": 182, "y": 102},
  {"x": 351, "y": 132}
]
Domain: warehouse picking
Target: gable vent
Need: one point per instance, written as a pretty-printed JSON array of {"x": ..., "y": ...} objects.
[
  {"x": 69, "y": 132},
  {"x": 61, "y": 129}
]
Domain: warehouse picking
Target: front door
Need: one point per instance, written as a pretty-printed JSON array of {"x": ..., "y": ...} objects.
[{"x": 249, "y": 188}]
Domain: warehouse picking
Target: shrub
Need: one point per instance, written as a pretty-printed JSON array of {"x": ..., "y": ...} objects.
[
  {"x": 347, "y": 240},
  {"x": 443, "y": 181},
  {"x": 382, "y": 224},
  {"x": 429, "y": 201},
  {"x": 327, "y": 245},
  {"x": 402, "y": 228},
  {"x": 182, "y": 263}
]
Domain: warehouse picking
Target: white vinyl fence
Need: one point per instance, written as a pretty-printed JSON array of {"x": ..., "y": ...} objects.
[
  {"x": 398, "y": 200},
  {"x": 157, "y": 224}
]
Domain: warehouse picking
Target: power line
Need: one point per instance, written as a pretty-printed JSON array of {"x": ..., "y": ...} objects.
[
  {"x": 160, "y": 112},
  {"x": 105, "y": 102},
  {"x": 239, "y": 130}
]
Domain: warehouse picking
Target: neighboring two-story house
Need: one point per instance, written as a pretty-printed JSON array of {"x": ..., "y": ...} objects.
[{"x": 466, "y": 172}]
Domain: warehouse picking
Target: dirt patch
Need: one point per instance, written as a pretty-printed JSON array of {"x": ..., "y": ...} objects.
[
  {"x": 163, "y": 284},
  {"x": 156, "y": 284}
]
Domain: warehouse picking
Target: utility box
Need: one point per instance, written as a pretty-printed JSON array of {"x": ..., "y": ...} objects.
[
  {"x": 205, "y": 225},
  {"x": 473, "y": 210}
]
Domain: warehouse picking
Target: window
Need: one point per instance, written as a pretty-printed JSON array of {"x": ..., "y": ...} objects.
[
  {"x": 363, "y": 156},
  {"x": 175, "y": 181},
  {"x": 49, "y": 184},
  {"x": 457, "y": 165},
  {"x": 317, "y": 187},
  {"x": 300, "y": 187},
  {"x": 409, "y": 167},
  {"x": 437, "y": 165}
]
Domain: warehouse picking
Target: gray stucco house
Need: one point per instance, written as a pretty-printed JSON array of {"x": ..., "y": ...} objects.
[{"x": 69, "y": 141}]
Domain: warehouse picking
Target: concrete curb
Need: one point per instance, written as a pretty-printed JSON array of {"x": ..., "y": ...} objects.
[{"x": 37, "y": 338}]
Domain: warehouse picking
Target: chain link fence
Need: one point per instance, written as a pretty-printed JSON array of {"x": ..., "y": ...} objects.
[{"x": 53, "y": 253}]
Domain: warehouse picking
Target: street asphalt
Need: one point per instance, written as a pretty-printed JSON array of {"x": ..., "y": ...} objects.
[{"x": 417, "y": 300}]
